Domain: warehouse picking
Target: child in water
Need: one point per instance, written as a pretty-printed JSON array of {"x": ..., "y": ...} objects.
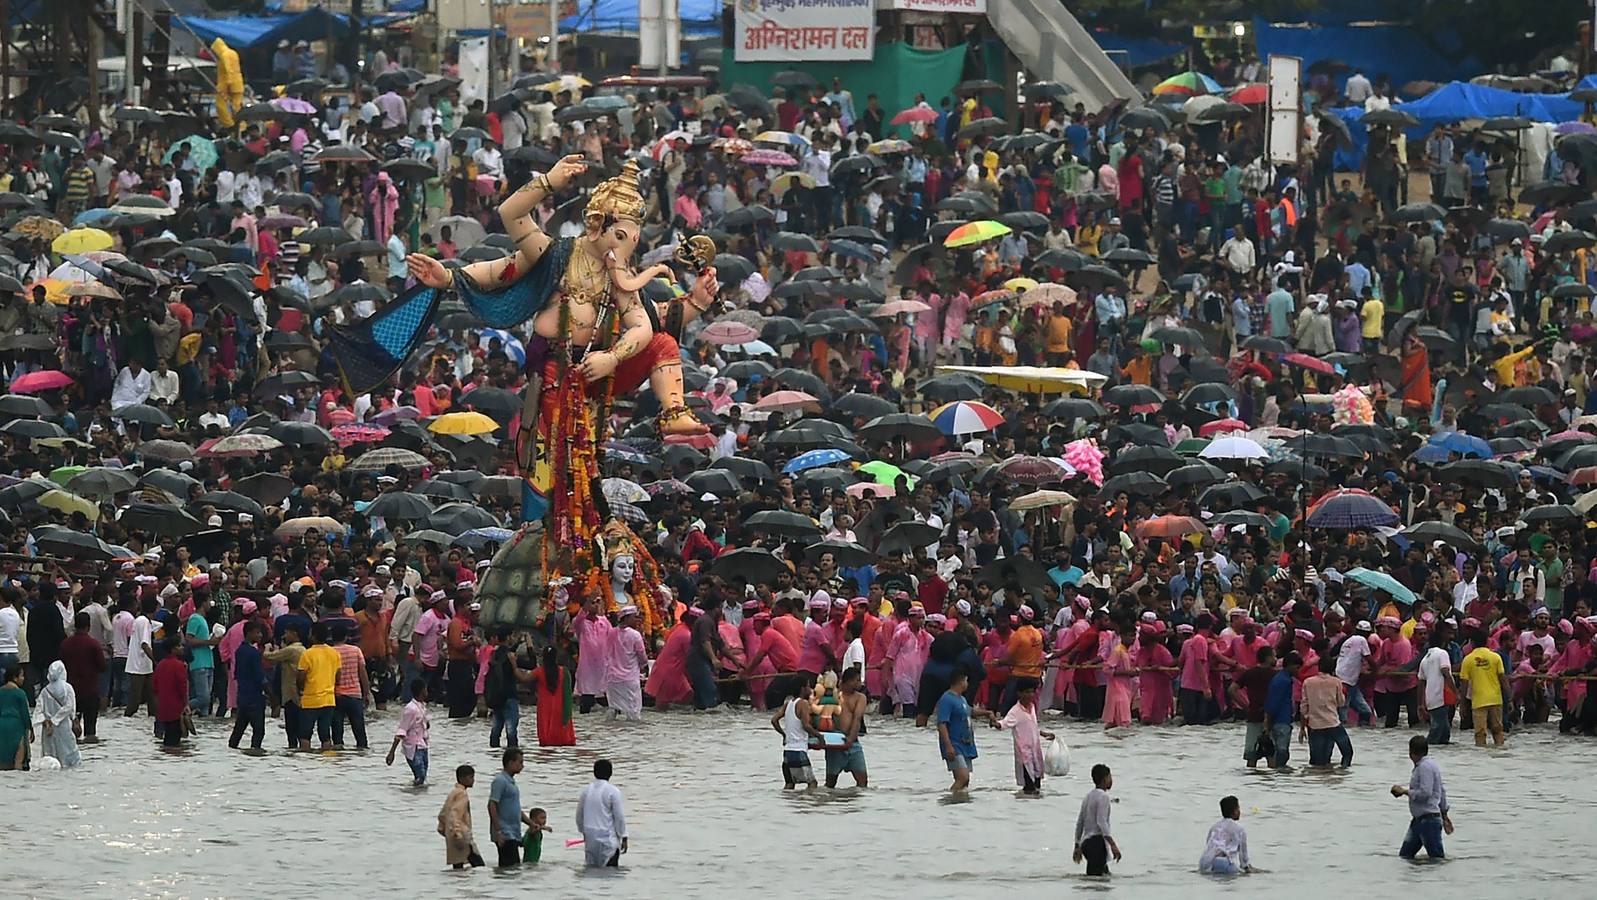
[
  {"x": 1021, "y": 720},
  {"x": 532, "y": 841}
]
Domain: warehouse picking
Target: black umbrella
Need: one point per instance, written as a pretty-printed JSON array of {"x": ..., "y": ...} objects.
[
  {"x": 745, "y": 370},
  {"x": 754, "y": 565},
  {"x": 948, "y": 388},
  {"x": 1426, "y": 532},
  {"x": 1025, "y": 220},
  {"x": 402, "y": 505},
  {"x": 499, "y": 403},
  {"x": 267, "y": 488},
  {"x": 1133, "y": 395},
  {"x": 101, "y": 481},
  {"x": 1529, "y": 395},
  {"x": 160, "y": 519},
  {"x": 794, "y": 242},
  {"x": 57, "y": 541},
  {"x": 857, "y": 233},
  {"x": 1481, "y": 472},
  {"x": 1074, "y": 408},
  {"x": 355, "y": 249},
  {"x": 459, "y": 518},
  {"x": 1556, "y": 513},
  {"x": 826, "y": 477},
  {"x": 1324, "y": 445},
  {"x": 300, "y": 434},
  {"x": 1134, "y": 483},
  {"x": 731, "y": 268},
  {"x": 231, "y": 500},
  {"x": 445, "y": 490},
  {"x": 175, "y": 483},
  {"x": 1145, "y": 117},
  {"x": 1158, "y": 460},
  {"x": 747, "y": 217},
  {"x": 844, "y": 553},
  {"x": 143, "y": 413},
  {"x": 1230, "y": 493},
  {"x": 783, "y": 523},
  {"x": 864, "y": 406},
  {"x": 1240, "y": 517},
  {"x": 906, "y": 537},
  {"x": 800, "y": 380},
  {"x": 1193, "y": 474},
  {"x": 744, "y": 468},
  {"x": 719, "y": 482},
  {"x": 1296, "y": 467},
  {"x": 23, "y": 405},
  {"x": 900, "y": 426},
  {"x": 1140, "y": 433},
  {"x": 1569, "y": 240},
  {"x": 980, "y": 127}
]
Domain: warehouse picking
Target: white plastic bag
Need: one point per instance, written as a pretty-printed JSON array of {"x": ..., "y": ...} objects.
[{"x": 1056, "y": 759}]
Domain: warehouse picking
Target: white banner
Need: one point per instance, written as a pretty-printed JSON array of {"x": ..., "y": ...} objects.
[
  {"x": 804, "y": 30},
  {"x": 473, "y": 70},
  {"x": 973, "y": 7}
]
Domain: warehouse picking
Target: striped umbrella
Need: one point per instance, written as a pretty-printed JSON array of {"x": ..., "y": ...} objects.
[
  {"x": 966, "y": 417},
  {"x": 975, "y": 233},
  {"x": 1187, "y": 84},
  {"x": 358, "y": 433},
  {"x": 1350, "y": 508}
]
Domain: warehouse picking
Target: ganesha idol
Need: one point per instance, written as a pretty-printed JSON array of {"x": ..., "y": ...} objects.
[{"x": 594, "y": 338}]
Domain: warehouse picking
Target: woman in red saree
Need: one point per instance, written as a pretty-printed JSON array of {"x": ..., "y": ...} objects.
[
  {"x": 1415, "y": 386},
  {"x": 554, "y": 702}
]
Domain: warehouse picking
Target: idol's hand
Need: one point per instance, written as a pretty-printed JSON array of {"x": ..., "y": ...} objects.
[
  {"x": 706, "y": 288},
  {"x": 427, "y": 270},
  {"x": 565, "y": 170},
  {"x": 598, "y": 365}
]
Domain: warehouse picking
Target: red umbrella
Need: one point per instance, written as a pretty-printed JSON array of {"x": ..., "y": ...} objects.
[
  {"x": 33, "y": 382},
  {"x": 728, "y": 331},
  {"x": 1032, "y": 470},
  {"x": 1212, "y": 428},
  {"x": 914, "y": 114},
  {"x": 1584, "y": 475},
  {"x": 1310, "y": 363},
  {"x": 1251, "y": 94},
  {"x": 1169, "y": 527}
]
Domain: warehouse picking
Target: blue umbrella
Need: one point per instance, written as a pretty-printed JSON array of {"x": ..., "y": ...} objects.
[
  {"x": 851, "y": 249},
  {"x": 1382, "y": 582},
  {"x": 93, "y": 216},
  {"x": 480, "y": 538},
  {"x": 814, "y": 459},
  {"x": 1431, "y": 453},
  {"x": 1351, "y": 509},
  {"x": 1462, "y": 444}
]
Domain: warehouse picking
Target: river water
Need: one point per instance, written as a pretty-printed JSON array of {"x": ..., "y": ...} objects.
[{"x": 708, "y": 818}]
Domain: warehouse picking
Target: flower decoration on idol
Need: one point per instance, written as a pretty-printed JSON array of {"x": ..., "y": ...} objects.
[
  {"x": 1351, "y": 406},
  {"x": 1085, "y": 457}
]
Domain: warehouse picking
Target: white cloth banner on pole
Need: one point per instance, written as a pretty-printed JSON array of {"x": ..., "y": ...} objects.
[
  {"x": 473, "y": 70},
  {"x": 804, "y": 30}
]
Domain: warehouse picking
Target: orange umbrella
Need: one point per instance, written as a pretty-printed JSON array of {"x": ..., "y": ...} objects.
[{"x": 1169, "y": 527}]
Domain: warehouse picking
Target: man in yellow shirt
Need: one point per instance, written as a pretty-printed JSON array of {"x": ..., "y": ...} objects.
[
  {"x": 1056, "y": 334},
  {"x": 1505, "y": 364},
  {"x": 1372, "y": 315},
  {"x": 1482, "y": 670},
  {"x": 318, "y": 673}
]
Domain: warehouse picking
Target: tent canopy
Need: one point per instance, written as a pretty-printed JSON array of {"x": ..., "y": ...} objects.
[
  {"x": 1403, "y": 52},
  {"x": 249, "y": 32},
  {"x": 700, "y": 18},
  {"x": 1135, "y": 51}
]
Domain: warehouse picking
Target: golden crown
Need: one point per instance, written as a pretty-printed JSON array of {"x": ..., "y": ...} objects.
[{"x": 617, "y": 197}]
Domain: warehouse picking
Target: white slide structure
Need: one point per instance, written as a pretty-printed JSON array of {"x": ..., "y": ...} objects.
[{"x": 1054, "y": 46}]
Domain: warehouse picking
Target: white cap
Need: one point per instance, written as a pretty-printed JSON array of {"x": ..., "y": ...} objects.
[
  {"x": 245, "y": 518},
  {"x": 214, "y": 521}
]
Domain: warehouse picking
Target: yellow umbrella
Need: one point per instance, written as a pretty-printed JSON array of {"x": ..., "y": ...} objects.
[
  {"x": 1021, "y": 284},
  {"x": 788, "y": 180},
  {"x": 56, "y": 290},
  {"x": 42, "y": 227},
  {"x": 565, "y": 83},
  {"x": 82, "y": 240},
  {"x": 1033, "y": 379},
  {"x": 463, "y": 423},
  {"x": 69, "y": 504}
]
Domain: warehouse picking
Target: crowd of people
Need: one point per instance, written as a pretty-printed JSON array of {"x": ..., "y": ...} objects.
[{"x": 1226, "y": 440}]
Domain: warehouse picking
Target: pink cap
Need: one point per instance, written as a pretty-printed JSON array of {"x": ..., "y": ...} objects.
[
  {"x": 1389, "y": 622},
  {"x": 1184, "y": 629},
  {"x": 1027, "y": 613},
  {"x": 1566, "y": 626},
  {"x": 1303, "y": 634}
]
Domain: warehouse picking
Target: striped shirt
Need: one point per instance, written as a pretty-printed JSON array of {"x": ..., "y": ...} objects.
[{"x": 350, "y": 661}]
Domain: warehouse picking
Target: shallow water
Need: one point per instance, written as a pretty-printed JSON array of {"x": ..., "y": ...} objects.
[{"x": 708, "y": 817}]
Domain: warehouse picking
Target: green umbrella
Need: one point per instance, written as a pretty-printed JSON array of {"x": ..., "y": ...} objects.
[
  {"x": 886, "y": 473},
  {"x": 1191, "y": 446},
  {"x": 65, "y": 474},
  {"x": 202, "y": 151},
  {"x": 1381, "y": 581}
]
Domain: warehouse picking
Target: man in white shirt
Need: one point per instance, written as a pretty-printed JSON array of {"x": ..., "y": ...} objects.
[
  {"x": 1358, "y": 89},
  {"x": 1465, "y": 591},
  {"x": 163, "y": 383},
  {"x": 132, "y": 385},
  {"x": 10, "y": 637},
  {"x": 602, "y": 819},
  {"x": 1238, "y": 253},
  {"x": 1351, "y": 663},
  {"x": 489, "y": 160},
  {"x": 1436, "y": 677},
  {"x": 141, "y": 659}
]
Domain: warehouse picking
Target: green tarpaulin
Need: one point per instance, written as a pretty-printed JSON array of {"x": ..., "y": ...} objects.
[{"x": 895, "y": 76}]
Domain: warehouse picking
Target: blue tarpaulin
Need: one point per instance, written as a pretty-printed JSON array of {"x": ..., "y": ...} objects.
[
  {"x": 1402, "y": 52},
  {"x": 1134, "y": 51},
  {"x": 1453, "y": 103},
  {"x": 246, "y": 32},
  {"x": 700, "y": 18}
]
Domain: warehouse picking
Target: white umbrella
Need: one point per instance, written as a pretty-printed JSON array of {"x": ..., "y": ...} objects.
[{"x": 1233, "y": 447}]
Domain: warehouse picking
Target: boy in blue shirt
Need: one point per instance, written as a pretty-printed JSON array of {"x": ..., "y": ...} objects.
[{"x": 954, "y": 735}]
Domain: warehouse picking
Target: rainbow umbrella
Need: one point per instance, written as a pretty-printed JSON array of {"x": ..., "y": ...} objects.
[
  {"x": 966, "y": 417},
  {"x": 1187, "y": 84},
  {"x": 975, "y": 233}
]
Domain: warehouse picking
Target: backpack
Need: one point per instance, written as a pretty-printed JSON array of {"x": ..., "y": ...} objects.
[
  {"x": 1213, "y": 308},
  {"x": 498, "y": 683}
]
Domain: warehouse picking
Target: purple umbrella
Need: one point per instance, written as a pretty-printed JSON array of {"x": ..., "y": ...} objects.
[
  {"x": 1575, "y": 128},
  {"x": 769, "y": 158}
]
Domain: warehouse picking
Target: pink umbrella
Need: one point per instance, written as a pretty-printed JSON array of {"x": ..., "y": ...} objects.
[
  {"x": 863, "y": 490},
  {"x": 1309, "y": 362},
  {"x": 390, "y": 416},
  {"x": 728, "y": 332},
  {"x": 769, "y": 158},
  {"x": 914, "y": 114},
  {"x": 785, "y": 401},
  {"x": 34, "y": 382},
  {"x": 294, "y": 105},
  {"x": 897, "y": 307},
  {"x": 357, "y": 433},
  {"x": 282, "y": 220}
]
